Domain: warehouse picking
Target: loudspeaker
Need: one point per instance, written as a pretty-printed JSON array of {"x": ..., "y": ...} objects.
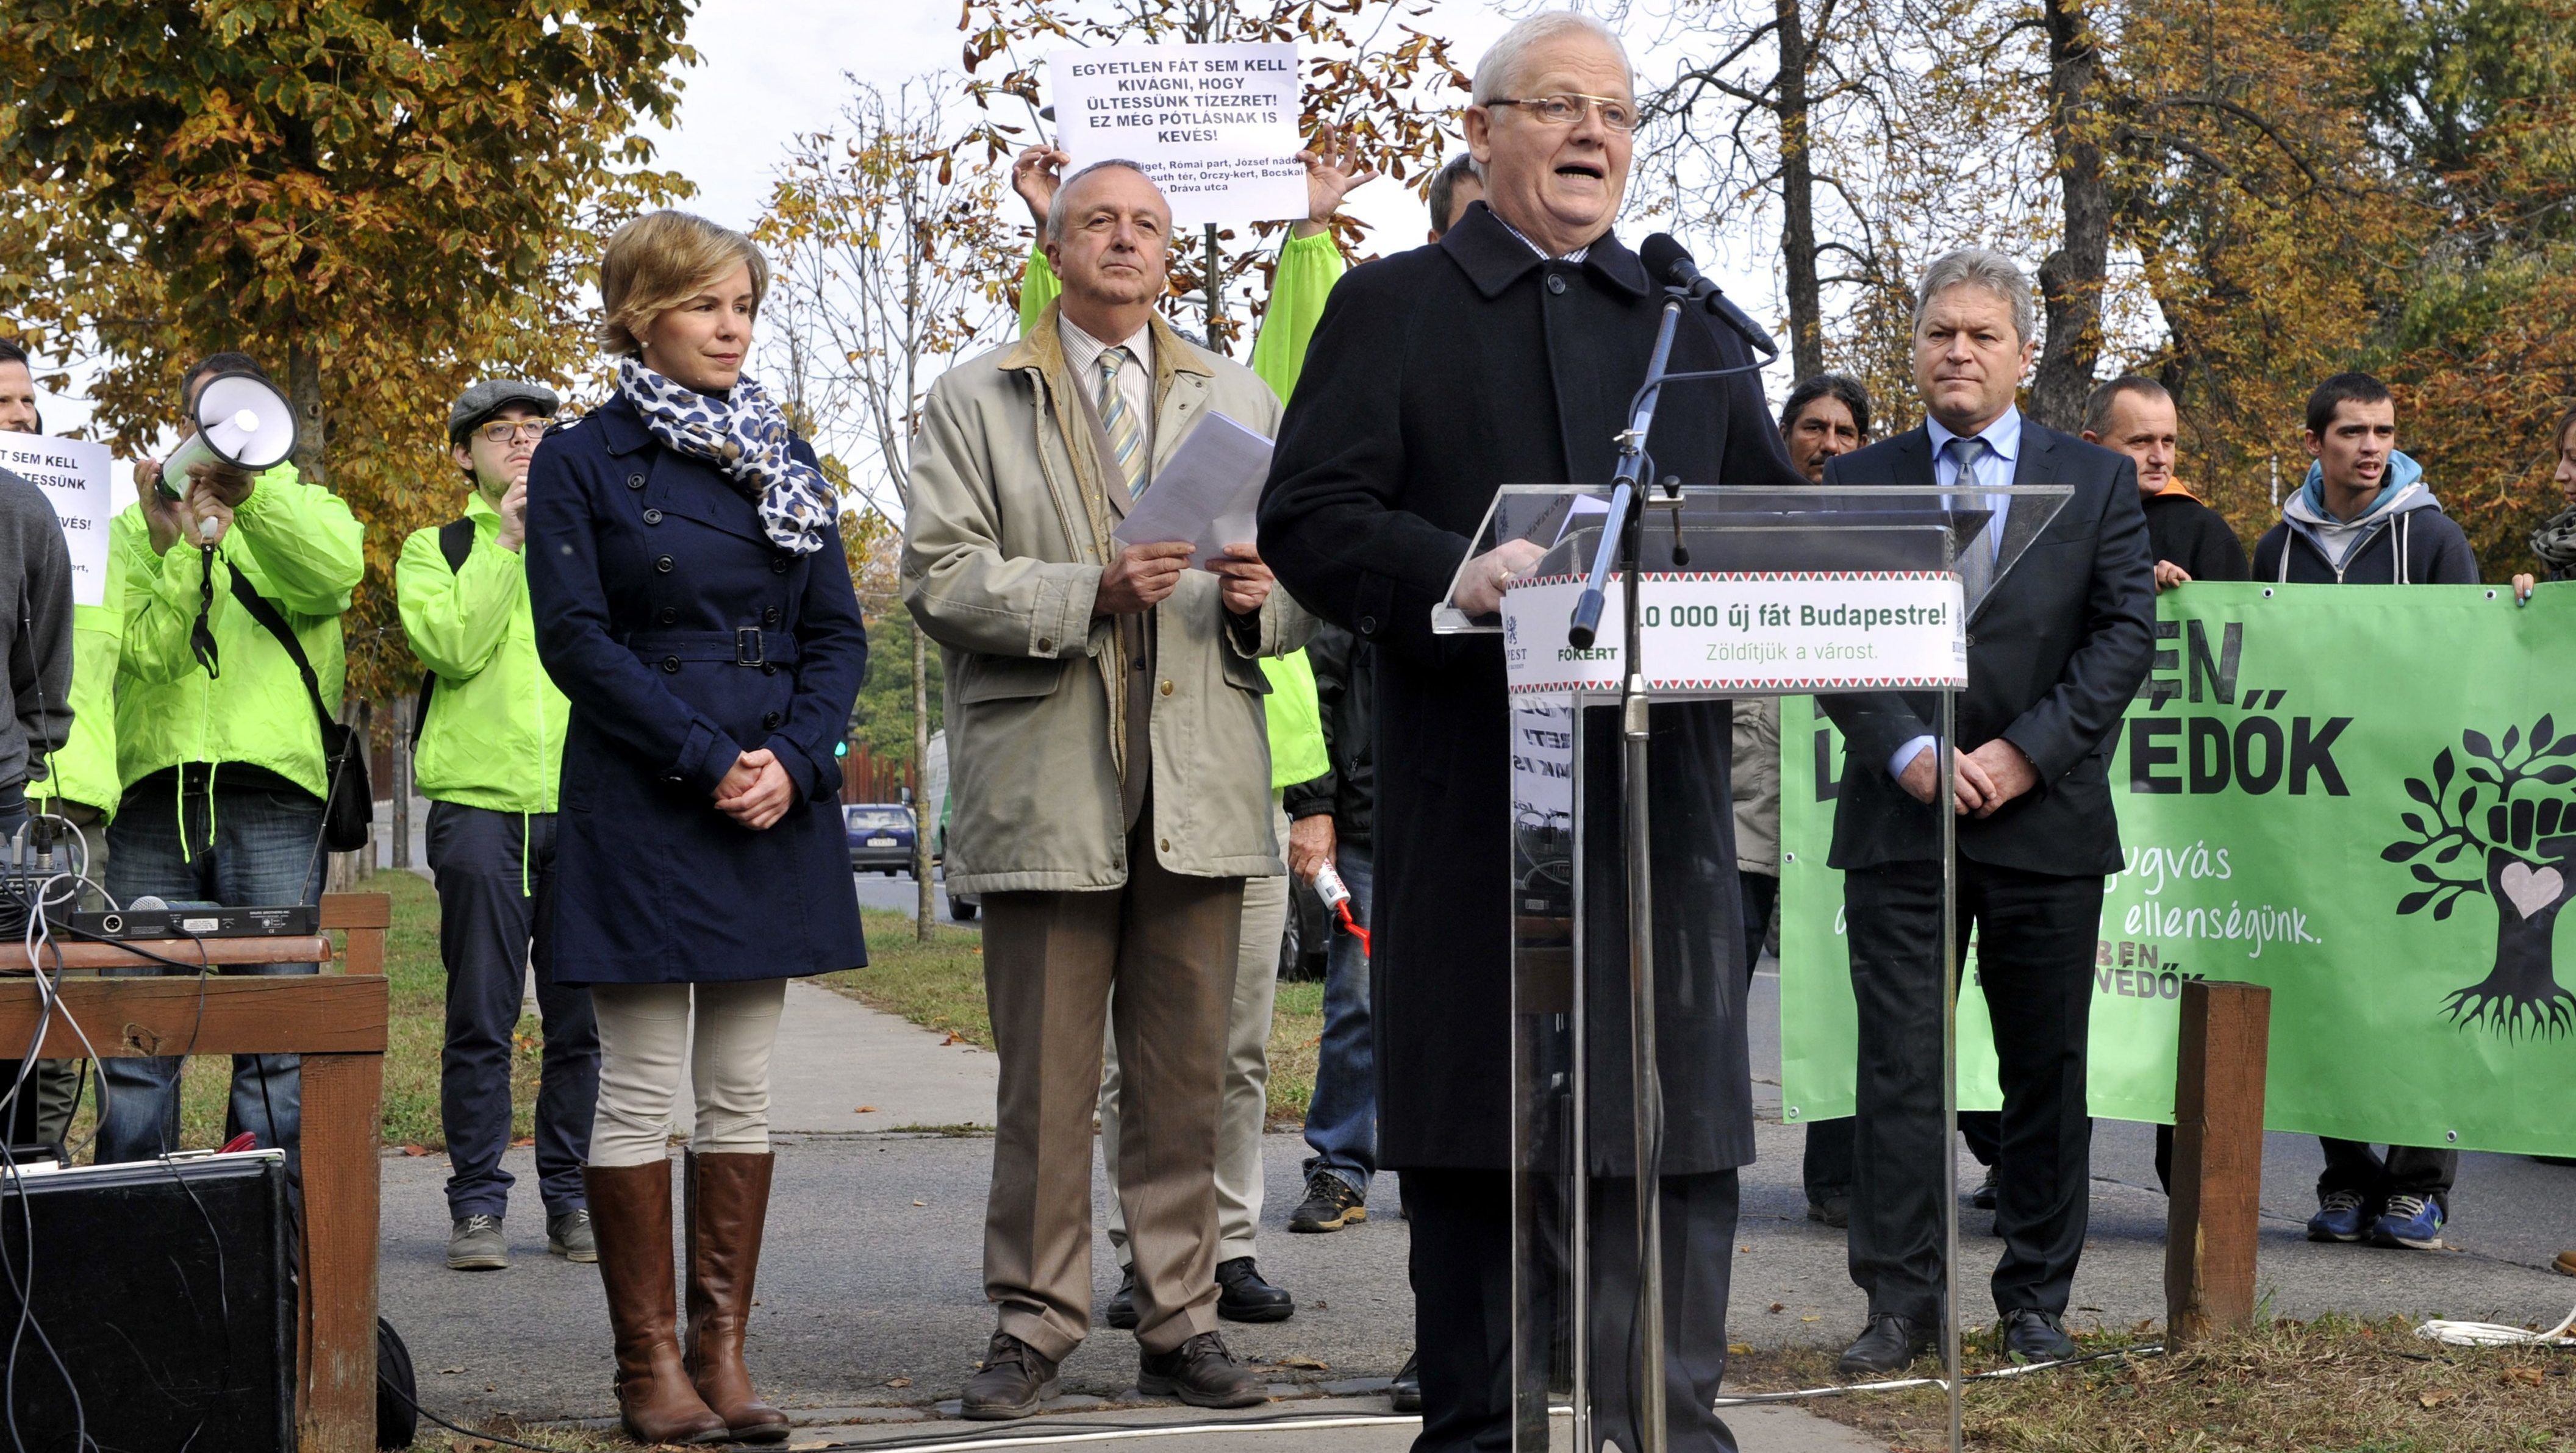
[
  {"x": 165, "y": 1298},
  {"x": 242, "y": 420}
]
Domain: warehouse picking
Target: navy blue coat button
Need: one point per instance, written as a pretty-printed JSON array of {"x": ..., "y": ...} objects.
[
  {"x": 671, "y": 664},
  {"x": 769, "y": 617},
  {"x": 663, "y": 564},
  {"x": 669, "y": 614},
  {"x": 635, "y": 481},
  {"x": 778, "y": 565},
  {"x": 1556, "y": 282},
  {"x": 652, "y": 517},
  {"x": 769, "y": 720},
  {"x": 1368, "y": 625}
]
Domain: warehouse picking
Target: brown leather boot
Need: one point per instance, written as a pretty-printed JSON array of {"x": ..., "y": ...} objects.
[
  {"x": 728, "y": 1202},
  {"x": 630, "y": 1211}
]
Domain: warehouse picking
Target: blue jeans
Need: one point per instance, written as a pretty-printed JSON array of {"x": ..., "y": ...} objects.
[
  {"x": 244, "y": 848},
  {"x": 1341, "y": 1121}
]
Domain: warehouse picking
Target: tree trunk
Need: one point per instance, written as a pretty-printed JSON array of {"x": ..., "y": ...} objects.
[
  {"x": 401, "y": 827},
  {"x": 2072, "y": 277},
  {"x": 1797, "y": 196},
  {"x": 1215, "y": 296},
  {"x": 304, "y": 392},
  {"x": 925, "y": 815}
]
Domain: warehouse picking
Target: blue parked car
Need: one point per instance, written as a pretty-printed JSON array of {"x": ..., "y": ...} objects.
[{"x": 881, "y": 836}]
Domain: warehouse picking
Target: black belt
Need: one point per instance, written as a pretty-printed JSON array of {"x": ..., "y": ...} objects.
[{"x": 747, "y": 646}]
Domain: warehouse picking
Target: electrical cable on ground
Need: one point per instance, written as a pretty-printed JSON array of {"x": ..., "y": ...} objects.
[{"x": 2497, "y": 1334}]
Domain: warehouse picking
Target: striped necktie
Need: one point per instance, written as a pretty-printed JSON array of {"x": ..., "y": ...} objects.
[
  {"x": 1126, "y": 435},
  {"x": 1976, "y": 560}
]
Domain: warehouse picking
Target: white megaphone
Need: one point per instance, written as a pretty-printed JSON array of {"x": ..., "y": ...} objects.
[{"x": 242, "y": 421}]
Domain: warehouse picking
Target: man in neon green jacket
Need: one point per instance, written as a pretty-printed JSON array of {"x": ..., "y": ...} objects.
[
  {"x": 489, "y": 756},
  {"x": 1309, "y": 264},
  {"x": 223, "y": 774}
]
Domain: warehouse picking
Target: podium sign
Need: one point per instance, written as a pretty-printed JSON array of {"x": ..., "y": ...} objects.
[{"x": 1735, "y": 633}]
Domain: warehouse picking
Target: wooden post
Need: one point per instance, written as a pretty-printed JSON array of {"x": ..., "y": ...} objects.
[{"x": 2216, "y": 1207}]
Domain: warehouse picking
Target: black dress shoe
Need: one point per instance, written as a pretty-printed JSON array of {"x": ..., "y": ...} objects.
[
  {"x": 1242, "y": 1296},
  {"x": 2036, "y": 1336},
  {"x": 1406, "y": 1389},
  {"x": 1890, "y": 1345},
  {"x": 1983, "y": 1198},
  {"x": 1834, "y": 1210},
  {"x": 1012, "y": 1383},
  {"x": 1202, "y": 1373},
  {"x": 1121, "y": 1311}
]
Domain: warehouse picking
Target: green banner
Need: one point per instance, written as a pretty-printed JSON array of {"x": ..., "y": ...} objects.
[{"x": 2363, "y": 797}]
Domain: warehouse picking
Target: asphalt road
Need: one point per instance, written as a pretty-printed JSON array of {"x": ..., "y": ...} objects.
[{"x": 876, "y": 890}]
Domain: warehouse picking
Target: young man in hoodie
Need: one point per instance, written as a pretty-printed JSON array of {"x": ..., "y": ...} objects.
[
  {"x": 2365, "y": 517},
  {"x": 488, "y": 753}
]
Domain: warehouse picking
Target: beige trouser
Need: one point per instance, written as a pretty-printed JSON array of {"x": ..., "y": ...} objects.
[
  {"x": 1245, "y": 1109},
  {"x": 1162, "y": 950},
  {"x": 646, "y": 1033}
]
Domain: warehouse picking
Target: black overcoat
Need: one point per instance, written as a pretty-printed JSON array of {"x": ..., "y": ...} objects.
[
  {"x": 683, "y": 638},
  {"x": 1433, "y": 377}
]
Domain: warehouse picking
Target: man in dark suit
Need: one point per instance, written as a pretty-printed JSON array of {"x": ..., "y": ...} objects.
[
  {"x": 1507, "y": 354},
  {"x": 2058, "y": 640}
]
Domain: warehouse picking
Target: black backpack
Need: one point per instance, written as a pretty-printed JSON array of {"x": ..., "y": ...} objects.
[{"x": 455, "y": 541}]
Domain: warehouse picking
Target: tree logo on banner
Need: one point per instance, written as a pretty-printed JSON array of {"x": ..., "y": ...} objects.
[{"x": 2520, "y": 852}]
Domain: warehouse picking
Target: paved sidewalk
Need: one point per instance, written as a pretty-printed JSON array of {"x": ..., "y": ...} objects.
[{"x": 871, "y": 1288}]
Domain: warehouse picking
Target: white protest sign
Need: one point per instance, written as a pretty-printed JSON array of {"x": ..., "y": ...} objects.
[
  {"x": 1215, "y": 126},
  {"x": 75, "y": 476},
  {"x": 1745, "y": 633}
]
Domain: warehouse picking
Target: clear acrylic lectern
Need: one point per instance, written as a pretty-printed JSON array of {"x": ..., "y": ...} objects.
[{"x": 1621, "y": 822}]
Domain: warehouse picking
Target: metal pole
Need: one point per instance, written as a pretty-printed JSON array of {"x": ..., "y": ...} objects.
[
  {"x": 1945, "y": 807},
  {"x": 1646, "y": 1088}
]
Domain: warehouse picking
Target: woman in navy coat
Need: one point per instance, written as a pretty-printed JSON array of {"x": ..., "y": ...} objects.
[{"x": 692, "y": 600}]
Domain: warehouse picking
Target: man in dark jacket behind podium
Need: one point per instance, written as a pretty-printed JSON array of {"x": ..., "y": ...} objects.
[
  {"x": 1507, "y": 354},
  {"x": 2056, "y": 648}
]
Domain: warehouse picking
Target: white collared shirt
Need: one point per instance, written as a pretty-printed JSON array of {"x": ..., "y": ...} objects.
[{"x": 1135, "y": 375}]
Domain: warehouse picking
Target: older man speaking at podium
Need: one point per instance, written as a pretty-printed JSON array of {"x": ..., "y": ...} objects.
[{"x": 1504, "y": 354}]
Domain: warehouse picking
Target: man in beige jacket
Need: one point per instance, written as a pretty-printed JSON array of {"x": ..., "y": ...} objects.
[{"x": 1111, "y": 784}]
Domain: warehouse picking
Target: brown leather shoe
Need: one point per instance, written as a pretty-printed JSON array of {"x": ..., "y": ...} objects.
[
  {"x": 2565, "y": 1265},
  {"x": 728, "y": 1202},
  {"x": 1013, "y": 1380},
  {"x": 1202, "y": 1373},
  {"x": 630, "y": 1210}
]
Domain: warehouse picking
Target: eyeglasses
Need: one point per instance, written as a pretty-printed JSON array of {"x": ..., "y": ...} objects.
[
  {"x": 1568, "y": 109},
  {"x": 502, "y": 431}
]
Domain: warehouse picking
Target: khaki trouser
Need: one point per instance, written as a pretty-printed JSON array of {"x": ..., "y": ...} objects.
[
  {"x": 1245, "y": 1109},
  {"x": 721, "y": 1033},
  {"x": 1162, "y": 950}
]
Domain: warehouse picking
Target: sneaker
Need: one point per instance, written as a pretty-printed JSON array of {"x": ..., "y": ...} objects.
[
  {"x": 1011, "y": 1382},
  {"x": 1331, "y": 1203},
  {"x": 570, "y": 1237},
  {"x": 2338, "y": 1218},
  {"x": 475, "y": 1243},
  {"x": 1202, "y": 1373},
  {"x": 2413, "y": 1222}
]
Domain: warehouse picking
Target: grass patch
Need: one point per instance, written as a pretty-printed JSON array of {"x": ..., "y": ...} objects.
[
  {"x": 2328, "y": 1386},
  {"x": 417, "y": 987},
  {"x": 940, "y": 985}
]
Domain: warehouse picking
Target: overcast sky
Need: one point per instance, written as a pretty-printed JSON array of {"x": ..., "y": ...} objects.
[{"x": 769, "y": 69}]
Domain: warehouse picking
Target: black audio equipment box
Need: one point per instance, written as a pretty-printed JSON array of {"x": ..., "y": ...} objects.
[
  {"x": 186, "y": 920},
  {"x": 163, "y": 1290}
]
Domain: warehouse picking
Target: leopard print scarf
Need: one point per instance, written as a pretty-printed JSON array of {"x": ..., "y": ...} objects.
[{"x": 746, "y": 438}]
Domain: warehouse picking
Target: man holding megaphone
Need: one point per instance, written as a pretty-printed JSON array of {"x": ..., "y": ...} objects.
[{"x": 237, "y": 573}]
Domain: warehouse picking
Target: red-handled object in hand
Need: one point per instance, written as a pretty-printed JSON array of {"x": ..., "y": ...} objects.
[
  {"x": 1337, "y": 897},
  {"x": 240, "y": 1143}
]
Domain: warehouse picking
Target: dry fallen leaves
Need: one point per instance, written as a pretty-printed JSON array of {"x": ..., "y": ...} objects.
[
  {"x": 865, "y": 1110},
  {"x": 2523, "y": 1377},
  {"x": 1779, "y": 1306},
  {"x": 898, "y": 1382},
  {"x": 1305, "y": 1364},
  {"x": 2435, "y": 1397}
]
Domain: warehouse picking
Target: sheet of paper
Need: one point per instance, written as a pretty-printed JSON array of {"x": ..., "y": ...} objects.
[
  {"x": 1215, "y": 126},
  {"x": 1206, "y": 494},
  {"x": 75, "y": 476}
]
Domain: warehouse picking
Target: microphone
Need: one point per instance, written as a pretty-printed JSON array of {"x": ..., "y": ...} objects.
[{"x": 1671, "y": 262}]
